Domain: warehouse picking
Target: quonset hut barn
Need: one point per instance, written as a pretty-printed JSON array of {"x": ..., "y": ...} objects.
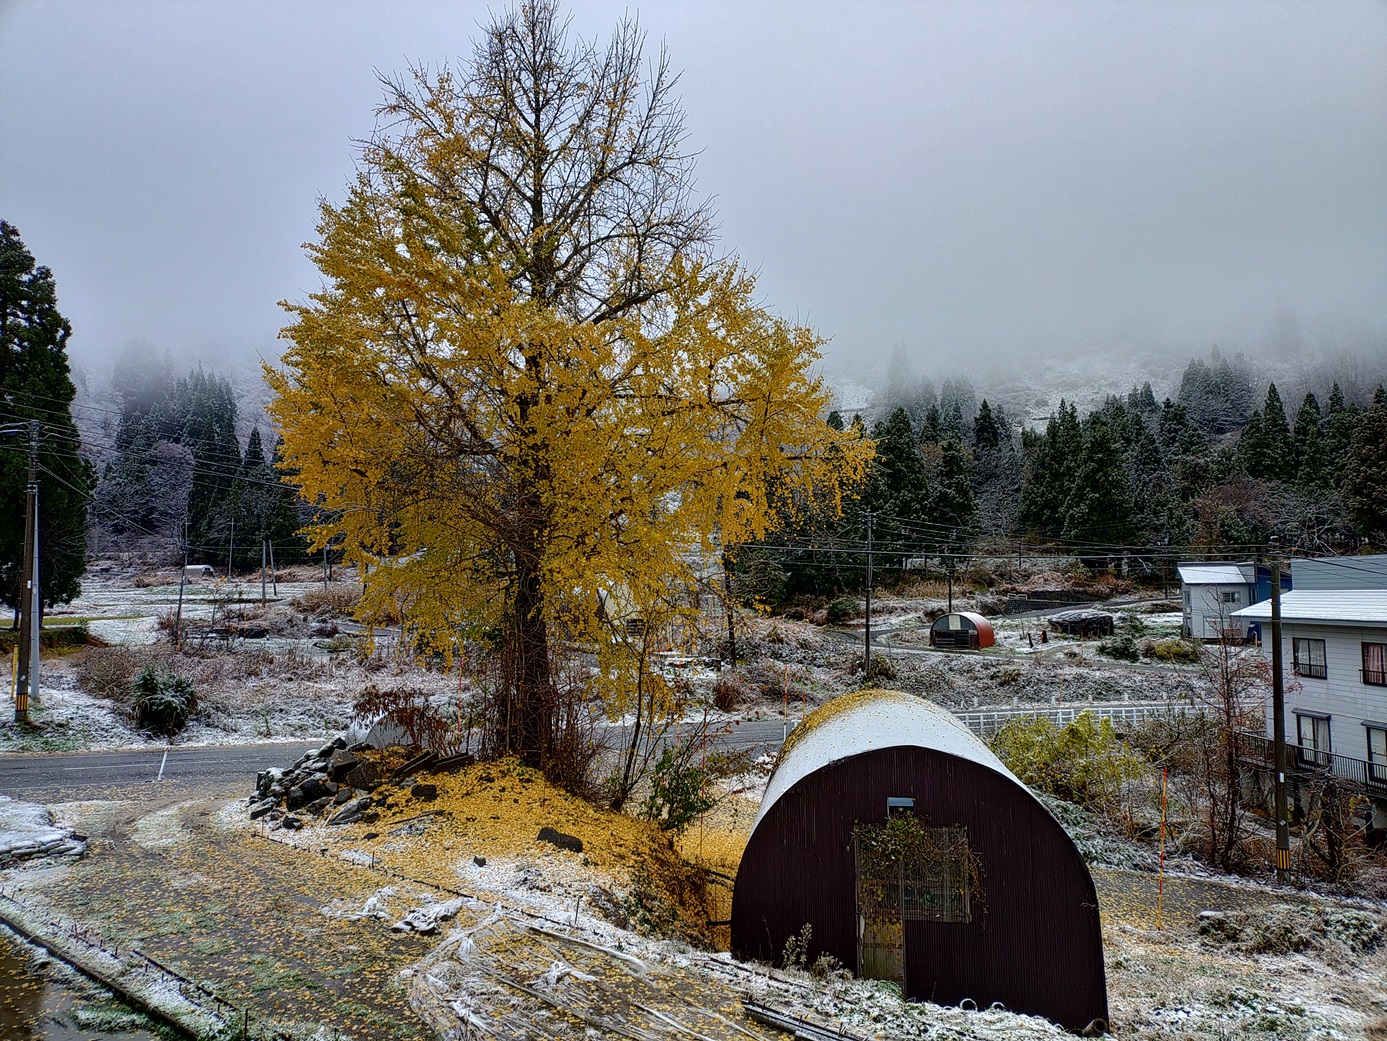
[
  {"x": 916, "y": 856},
  {"x": 961, "y": 630}
]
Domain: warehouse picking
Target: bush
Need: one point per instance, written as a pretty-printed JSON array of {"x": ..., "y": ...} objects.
[
  {"x": 731, "y": 690},
  {"x": 844, "y": 609},
  {"x": 162, "y": 702},
  {"x": 678, "y": 790},
  {"x": 1123, "y": 647},
  {"x": 338, "y": 599},
  {"x": 1175, "y": 650},
  {"x": 1082, "y": 762}
]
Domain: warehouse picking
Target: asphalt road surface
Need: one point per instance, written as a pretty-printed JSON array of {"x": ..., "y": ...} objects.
[{"x": 57, "y": 777}]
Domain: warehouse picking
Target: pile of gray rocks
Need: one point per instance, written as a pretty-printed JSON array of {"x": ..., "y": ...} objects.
[{"x": 332, "y": 784}]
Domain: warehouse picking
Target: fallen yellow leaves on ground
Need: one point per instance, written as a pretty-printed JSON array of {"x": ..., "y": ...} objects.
[{"x": 496, "y": 810}]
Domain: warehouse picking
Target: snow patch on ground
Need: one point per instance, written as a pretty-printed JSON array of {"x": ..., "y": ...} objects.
[{"x": 28, "y": 830}]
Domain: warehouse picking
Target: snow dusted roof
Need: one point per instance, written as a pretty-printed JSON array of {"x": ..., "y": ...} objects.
[
  {"x": 864, "y": 721},
  {"x": 1217, "y": 574},
  {"x": 1326, "y": 606}
]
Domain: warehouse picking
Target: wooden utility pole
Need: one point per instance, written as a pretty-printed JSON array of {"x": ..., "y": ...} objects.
[
  {"x": 27, "y": 679},
  {"x": 1278, "y": 709},
  {"x": 182, "y": 581},
  {"x": 867, "y": 634}
]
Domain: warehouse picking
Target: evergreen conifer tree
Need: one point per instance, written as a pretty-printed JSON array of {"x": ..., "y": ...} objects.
[
  {"x": 1279, "y": 459},
  {"x": 35, "y": 384},
  {"x": 1365, "y": 479},
  {"x": 1341, "y": 420},
  {"x": 954, "y": 502},
  {"x": 1098, "y": 506},
  {"x": 1311, "y": 460},
  {"x": 898, "y": 489},
  {"x": 986, "y": 434}
]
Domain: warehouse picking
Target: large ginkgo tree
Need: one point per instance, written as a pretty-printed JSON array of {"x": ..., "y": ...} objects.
[{"x": 529, "y": 387}]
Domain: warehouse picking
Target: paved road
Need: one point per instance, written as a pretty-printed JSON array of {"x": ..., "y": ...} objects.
[
  {"x": 75, "y": 775},
  {"x": 72, "y": 775}
]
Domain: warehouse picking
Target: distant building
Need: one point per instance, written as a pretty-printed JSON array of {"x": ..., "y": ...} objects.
[
  {"x": 1212, "y": 593},
  {"x": 1334, "y": 650},
  {"x": 961, "y": 630}
]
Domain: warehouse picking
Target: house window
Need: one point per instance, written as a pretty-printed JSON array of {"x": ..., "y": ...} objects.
[
  {"x": 1232, "y": 596},
  {"x": 1377, "y": 752},
  {"x": 1308, "y": 656},
  {"x": 1375, "y": 664},
  {"x": 1312, "y": 737}
]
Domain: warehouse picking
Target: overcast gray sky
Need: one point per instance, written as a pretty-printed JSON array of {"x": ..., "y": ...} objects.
[{"x": 958, "y": 177}]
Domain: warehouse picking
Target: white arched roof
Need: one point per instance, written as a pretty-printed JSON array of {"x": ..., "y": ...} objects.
[{"x": 864, "y": 721}]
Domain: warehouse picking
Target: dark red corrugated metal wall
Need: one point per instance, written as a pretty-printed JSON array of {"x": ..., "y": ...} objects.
[{"x": 1034, "y": 945}]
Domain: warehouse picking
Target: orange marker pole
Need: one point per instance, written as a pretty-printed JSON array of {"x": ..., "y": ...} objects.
[{"x": 1160, "y": 878}]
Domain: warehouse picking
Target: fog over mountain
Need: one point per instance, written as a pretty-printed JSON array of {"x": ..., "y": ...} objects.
[{"x": 1001, "y": 189}]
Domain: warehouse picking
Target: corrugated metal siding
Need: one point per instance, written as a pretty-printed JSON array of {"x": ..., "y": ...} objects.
[
  {"x": 1034, "y": 944},
  {"x": 1366, "y": 572}
]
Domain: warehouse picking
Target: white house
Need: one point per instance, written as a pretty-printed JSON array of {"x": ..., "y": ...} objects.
[
  {"x": 1334, "y": 647},
  {"x": 1211, "y": 593}
]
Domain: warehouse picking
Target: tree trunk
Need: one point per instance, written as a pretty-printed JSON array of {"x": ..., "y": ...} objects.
[{"x": 532, "y": 720}]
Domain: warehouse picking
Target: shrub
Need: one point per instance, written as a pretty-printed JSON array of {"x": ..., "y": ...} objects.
[
  {"x": 338, "y": 599},
  {"x": 1123, "y": 647},
  {"x": 844, "y": 609},
  {"x": 731, "y": 690},
  {"x": 162, "y": 702},
  {"x": 678, "y": 790},
  {"x": 110, "y": 671},
  {"x": 1082, "y": 762},
  {"x": 1175, "y": 650},
  {"x": 882, "y": 668}
]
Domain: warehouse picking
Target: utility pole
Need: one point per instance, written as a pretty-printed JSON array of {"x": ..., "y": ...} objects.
[
  {"x": 867, "y": 651},
  {"x": 1278, "y": 709},
  {"x": 27, "y": 679},
  {"x": 274, "y": 581},
  {"x": 262, "y": 571},
  {"x": 182, "y": 580}
]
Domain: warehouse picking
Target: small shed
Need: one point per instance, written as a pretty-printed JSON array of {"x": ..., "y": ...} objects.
[
  {"x": 961, "y": 630},
  {"x": 915, "y": 856},
  {"x": 1082, "y": 622}
]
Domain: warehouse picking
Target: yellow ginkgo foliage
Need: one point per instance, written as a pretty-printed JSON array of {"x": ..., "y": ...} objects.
[{"x": 527, "y": 386}]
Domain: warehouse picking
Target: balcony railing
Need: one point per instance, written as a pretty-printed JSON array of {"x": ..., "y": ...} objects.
[
  {"x": 1374, "y": 677},
  {"x": 1309, "y": 763},
  {"x": 1309, "y": 670}
]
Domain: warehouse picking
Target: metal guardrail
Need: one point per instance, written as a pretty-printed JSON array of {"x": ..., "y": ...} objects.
[
  {"x": 985, "y": 723},
  {"x": 1311, "y": 764}
]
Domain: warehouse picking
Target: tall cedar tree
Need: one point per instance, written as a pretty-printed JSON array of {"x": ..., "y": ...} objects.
[
  {"x": 528, "y": 383},
  {"x": 1311, "y": 459},
  {"x": 1365, "y": 479},
  {"x": 899, "y": 493},
  {"x": 35, "y": 385}
]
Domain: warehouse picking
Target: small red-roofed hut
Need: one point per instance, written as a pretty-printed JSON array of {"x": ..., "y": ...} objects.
[{"x": 961, "y": 630}]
